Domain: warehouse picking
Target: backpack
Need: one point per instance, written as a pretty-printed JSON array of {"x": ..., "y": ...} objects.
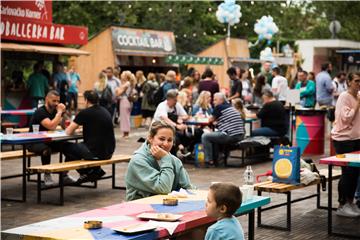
[
  {"x": 106, "y": 97},
  {"x": 156, "y": 97}
]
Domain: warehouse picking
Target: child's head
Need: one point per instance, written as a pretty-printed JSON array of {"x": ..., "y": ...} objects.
[{"x": 223, "y": 200}]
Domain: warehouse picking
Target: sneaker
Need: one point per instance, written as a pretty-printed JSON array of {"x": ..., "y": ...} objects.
[
  {"x": 346, "y": 211},
  {"x": 96, "y": 174},
  {"x": 48, "y": 181},
  {"x": 82, "y": 179},
  {"x": 69, "y": 180},
  {"x": 355, "y": 208}
]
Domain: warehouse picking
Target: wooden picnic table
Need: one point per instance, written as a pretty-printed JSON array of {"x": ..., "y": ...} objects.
[
  {"x": 351, "y": 160},
  {"x": 124, "y": 214}
]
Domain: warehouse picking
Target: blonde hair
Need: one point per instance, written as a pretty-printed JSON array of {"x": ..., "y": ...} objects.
[
  {"x": 201, "y": 101},
  {"x": 128, "y": 76},
  {"x": 238, "y": 104},
  {"x": 151, "y": 76},
  {"x": 102, "y": 82},
  {"x": 182, "y": 98},
  {"x": 140, "y": 76}
]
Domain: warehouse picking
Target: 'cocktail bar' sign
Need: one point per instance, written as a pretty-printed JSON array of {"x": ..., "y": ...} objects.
[{"x": 143, "y": 42}]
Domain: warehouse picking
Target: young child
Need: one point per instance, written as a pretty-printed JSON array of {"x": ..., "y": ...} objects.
[{"x": 222, "y": 202}]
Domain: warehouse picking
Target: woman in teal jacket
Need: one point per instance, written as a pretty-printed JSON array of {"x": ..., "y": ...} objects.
[
  {"x": 307, "y": 90},
  {"x": 153, "y": 169}
]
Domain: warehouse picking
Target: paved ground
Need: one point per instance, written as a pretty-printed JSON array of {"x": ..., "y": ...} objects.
[{"x": 307, "y": 221}]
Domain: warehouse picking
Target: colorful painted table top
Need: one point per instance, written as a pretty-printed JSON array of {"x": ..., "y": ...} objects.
[
  {"x": 18, "y": 112},
  {"x": 30, "y": 137},
  {"x": 348, "y": 159},
  {"x": 121, "y": 215},
  {"x": 198, "y": 121}
]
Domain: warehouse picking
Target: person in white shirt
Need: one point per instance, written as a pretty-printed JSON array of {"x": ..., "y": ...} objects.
[{"x": 279, "y": 85}]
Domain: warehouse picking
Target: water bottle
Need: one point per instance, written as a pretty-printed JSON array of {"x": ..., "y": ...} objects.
[{"x": 249, "y": 176}]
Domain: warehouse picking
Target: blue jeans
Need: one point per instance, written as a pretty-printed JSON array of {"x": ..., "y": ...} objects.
[
  {"x": 212, "y": 140},
  {"x": 264, "y": 131}
]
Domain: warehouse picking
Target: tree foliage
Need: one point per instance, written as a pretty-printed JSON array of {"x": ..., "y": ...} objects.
[{"x": 195, "y": 26}]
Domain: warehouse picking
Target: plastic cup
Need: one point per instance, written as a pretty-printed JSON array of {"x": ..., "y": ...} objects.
[
  {"x": 36, "y": 128},
  {"x": 9, "y": 131},
  {"x": 250, "y": 191},
  {"x": 244, "y": 191}
]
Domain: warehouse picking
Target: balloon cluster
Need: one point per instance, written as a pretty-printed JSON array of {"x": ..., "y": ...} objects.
[
  {"x": 266, "y": 55},
  {"x": 265, "y": 28},
  {"x": 229, "y": 12}
]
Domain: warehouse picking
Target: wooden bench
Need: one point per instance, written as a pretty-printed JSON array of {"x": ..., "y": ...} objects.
[
  {"x": 61, "y": 168},
  {"x": 17, "y": 154},
  {"x": 283, "y": 188}
]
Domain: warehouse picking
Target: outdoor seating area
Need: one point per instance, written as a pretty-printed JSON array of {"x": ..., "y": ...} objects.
[{"x": 186, "y": 120}]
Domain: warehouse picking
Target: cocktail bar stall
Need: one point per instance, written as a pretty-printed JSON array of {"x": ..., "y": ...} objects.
[{"x": 28, "y": 36}]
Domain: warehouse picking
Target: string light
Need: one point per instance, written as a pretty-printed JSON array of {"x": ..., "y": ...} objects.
[
  {"x": 194, "y": 34},
  {"x": 190, "y": 10},
  {"x": 185, "y": 35},
  {"x": 224, "y": 29},
  {"x": 235, "y": 27},
  {"x": 150, "y": 9},
  {"x": 170, "y": 10},
  {"x": 204, "y": 33},
  {"x": 129, "y": 6},
  {"x": 252, "y": 3},
  {"x": 246, "y": 24},
  {"x": 210, "y": 9},
  {"x": 281, "y": 11},
  {"x": 214, "y": 31},
  {"x": 176, "y": 36}
]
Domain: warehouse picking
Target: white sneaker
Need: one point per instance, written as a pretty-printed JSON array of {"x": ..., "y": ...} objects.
[
  {"x": 48, "y": 181},
  {"x": 346, "y": 211},
  {"x": 355, "y": 208},
  {"x": 68, "y": 180}
]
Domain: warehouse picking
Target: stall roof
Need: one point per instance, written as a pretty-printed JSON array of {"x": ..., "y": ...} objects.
[{"x": 41, "y": 49}]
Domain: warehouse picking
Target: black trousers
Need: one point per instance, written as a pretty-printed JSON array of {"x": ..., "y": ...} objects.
[
  {"x": 45, "y": 150},
  {"x": 78, "y": 151},
  {"x": 349, "y": 175}
]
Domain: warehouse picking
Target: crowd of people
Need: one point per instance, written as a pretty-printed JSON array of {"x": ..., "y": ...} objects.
[{"x": 167, "y": 105}]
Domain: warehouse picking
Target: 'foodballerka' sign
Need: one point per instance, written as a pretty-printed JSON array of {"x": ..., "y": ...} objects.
[
  {"x": 42, "y": 32},
  {"x": 143, "y": 42}
]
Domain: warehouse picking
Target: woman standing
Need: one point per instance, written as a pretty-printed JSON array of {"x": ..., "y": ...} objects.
[
  {"x": 346, "y": 136},
  {"x": 103, "y": 91},
  {"x": 260, "y": 87},
  {"x": 153, "y": 169},
  {"x": 147, "y": 107},
  {"x": 127, "y": 86}
]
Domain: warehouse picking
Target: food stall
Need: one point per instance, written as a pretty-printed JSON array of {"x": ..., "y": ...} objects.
[{"x": 29, "y": 36}]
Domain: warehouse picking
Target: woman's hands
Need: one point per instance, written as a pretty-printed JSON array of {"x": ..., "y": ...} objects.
[{"x": 158, "y": 152}]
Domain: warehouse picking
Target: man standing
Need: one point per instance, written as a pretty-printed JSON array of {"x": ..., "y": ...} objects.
[
  {"x": 307, "y": 90},
  {"x": 279, "y": 85},
  {"x": 324, "y": 86},
  {"x": 99, "y": 138},
  {"x": 272, "y": 116},
  {"x": 230, "y": 127},
  {"x": 266, "y": 72},
  {"x": 113, "y": 82},
  {"x": 61, "y": 82},
  {"x": 38, "y": 85},
  {"x": 236, "y": 88},
  {"x": 339, "y": 86},
  {"x": 74, "y": 81},
  {"x": 48, "y": 117}
]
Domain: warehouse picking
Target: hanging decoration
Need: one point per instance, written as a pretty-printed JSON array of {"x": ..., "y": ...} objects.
[
  {"x": 228, "y": 12},
  {"x": 265, "y": 28},
  {"x": 188, "y": 59}
]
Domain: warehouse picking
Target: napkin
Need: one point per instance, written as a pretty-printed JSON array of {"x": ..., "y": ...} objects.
[
  {"x": 182, "y": 193},
  {"x": 169, "y": 226}
]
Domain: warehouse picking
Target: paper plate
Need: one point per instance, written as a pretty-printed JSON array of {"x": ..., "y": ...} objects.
[
  {"x": 134, "y": 228},
  {"x": 168, "y": 217}
]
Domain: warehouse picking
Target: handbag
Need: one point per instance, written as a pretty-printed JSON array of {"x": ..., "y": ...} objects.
[
  {"x": 133, "y": 95},
  {"x": 286, "y": 165}
]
